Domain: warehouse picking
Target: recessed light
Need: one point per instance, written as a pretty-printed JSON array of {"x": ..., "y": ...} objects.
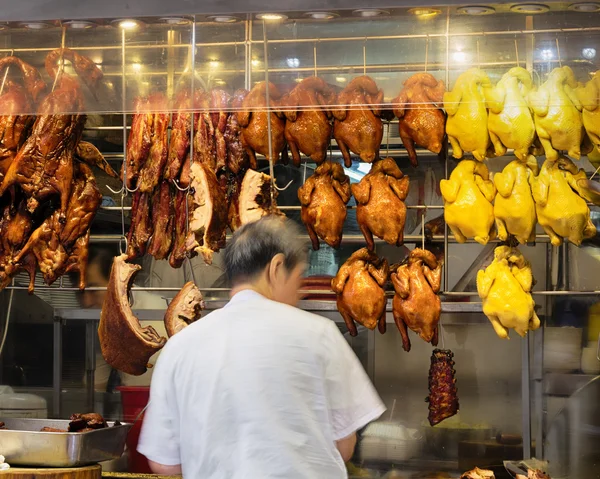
[
  {"x": 214, "y": 64},
  {"x": 175, "y": 20},
  {"x": 476, "y": 10},
  {"x": 370, "y": 12},
  {"x": 80, "y": 24},
  {"x": 36, "y": 25},
  {"x": 341, "y": 79},
  {"x": 293, "y": 62},
  {"x": 321, "y": 15},
  {"x": 585, "y": 7},
  {"x": 589, "y": 53},
  {"x": 128, "y": 23},
  {"x": 271, "y": 17},
  {"x": 547, "y": 54},
  {"x": 224, "y": 18},
  {"x": 424, "y": 12},
  {"x": 460, "y": 57},
  {"x": 530, "y": 8}
]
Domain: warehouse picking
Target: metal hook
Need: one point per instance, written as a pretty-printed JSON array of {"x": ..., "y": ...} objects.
[
  {"x": 176, "y": 183},
  {"x": 285, "y": 187},
  {"x": 423, "y": 227},
  {"x": 132, "y": 191},
  {"x": 365, "y": 57},
  {"x": 61, "y": 61},
  {"x": 118, "y": 192},
  {"x": 121, "y": 250},
  {"x": 517, "y": 51},
  {"x": 315, "y": 57},
  {"x": 558, "y": 53},
  {"x": 426, "y": 52}
]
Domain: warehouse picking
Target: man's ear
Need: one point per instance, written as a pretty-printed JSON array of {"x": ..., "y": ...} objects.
[{"x": 277, "y": 268}]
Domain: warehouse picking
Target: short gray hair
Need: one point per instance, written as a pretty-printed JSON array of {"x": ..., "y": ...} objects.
[{"x": 254, "y": 245}]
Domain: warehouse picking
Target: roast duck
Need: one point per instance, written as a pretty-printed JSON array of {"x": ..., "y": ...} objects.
[
  {"x": 359, "y": 286},
  {"x": 421, "y": 123},
  {"x": 443, "y": 395},
  {"x": 357, "y": 127}
]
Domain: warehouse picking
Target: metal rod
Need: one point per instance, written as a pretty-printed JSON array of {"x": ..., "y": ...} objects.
[
  {"x": 124, "y": 118},
  {"x": 268, "y": 105},
  {"x": 248, "y": 54},
  {"x": 315, "y": 58},
  {"x": 558, "y": 52},
  {"x": 90, "y": 363},
  {"x": 56, "y": 367},
  {"x": 525, "y": 399},
  {"x": 446, "y": 152}
]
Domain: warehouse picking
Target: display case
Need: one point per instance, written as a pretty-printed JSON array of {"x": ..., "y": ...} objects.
[{"x": 162, "y": 52}]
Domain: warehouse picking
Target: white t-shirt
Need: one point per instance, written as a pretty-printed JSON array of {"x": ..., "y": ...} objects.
[{"x": 257, "y": 390}]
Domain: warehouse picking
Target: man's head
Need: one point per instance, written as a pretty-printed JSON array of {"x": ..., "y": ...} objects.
[{"x": 267, "y": 256}]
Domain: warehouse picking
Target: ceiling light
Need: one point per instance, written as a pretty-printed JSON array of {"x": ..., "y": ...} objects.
[
  {"x": 136, "y": 67},
  {"x": 341, "y": 79},
  {"x": 589, "y": 53},
  {"x": 547, "y": 54},
  {"x": 271, "y": 17},
  {"x": 255, "y": 63},
  {"x": 128, "y": 23},
  {"x": 298, "y": 80},
  {"x": 220, "y": 82},
  {"x": 476, "y": 10},
  {"x": 460, "y": 57},
  {"x": 36, "y": 25},
  {"x": 224, "y": 18},
  {"x": 293, "y": 62},
  {"x": 321, "y": 15},
  {"x": 80, "y": 24},
  {"x": 424, "y": 12},
  {"x": 214, "y": 64},
  {"x": 530, "y": 8},
  {"x": 585, "y": 7},
  {"x": 370, "y": 12},
  {"x": 175, "y": 20}
]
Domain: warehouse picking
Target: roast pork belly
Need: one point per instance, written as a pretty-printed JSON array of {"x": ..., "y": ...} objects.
[
  {"x": 153, "y": 170},
  {"x": 125, "y": 344},
  {"x": 184, "y": 309},
  {"x": 254, "y": 200}
]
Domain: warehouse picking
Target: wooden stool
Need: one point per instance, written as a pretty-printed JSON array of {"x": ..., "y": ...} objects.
[{"x": 87, "y": 472}]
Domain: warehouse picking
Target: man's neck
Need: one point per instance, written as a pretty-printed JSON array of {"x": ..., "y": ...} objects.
[{"x": 257, "y": 287}]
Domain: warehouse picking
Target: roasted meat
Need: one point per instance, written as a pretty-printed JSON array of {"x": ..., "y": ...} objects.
[
  {"x": 179, "y": 142},
  {"x": 219, "y": 105},
  {"x": 421, "y": 122},
  {"x": 323, "y": 197},
  {"x": 178, "y": 250},
  {"x": 416, "y": 304},
  {"x": 140, "y": 228},
  {"x": 185, "y": 308},
  {"x": 89, "y": 154},
  {"x": 125, "y": 344},
  {"x": 204, "y": 132},
  {"x": 478, "y": 474},
  {"x": 359, "y": 287},
  {"x": 208, "y": 216},
  {"x": 233, "y": 201},
  {"x": 237, "y": 158},
  {"x": 443, "y": 396},
  {"x": 16, "y": 225},
  {"x": 253, "y": 120},
  {"x": 357, "y": 127},
  {"x": 92, "y": 420},
  {"x": 153, "y": 169},
  {"x": 139, "y": 142},
  {"x": 255, "y": 199},
  {"x": 163, "y": 219},
  {"x": 380, "y": 208},
  {"x": 308, "y": 111},
  {"x": 78, "y": 259}
]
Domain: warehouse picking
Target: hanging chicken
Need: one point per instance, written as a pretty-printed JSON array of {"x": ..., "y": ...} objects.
[
  {"x": 308, "y": 126},
  {"x": 557, "y": 114},
  {"x": 357, "y": 127},
  {"x": 416, "y": 304},
  {"x": 505, "y": 290},
  {"x": 380, "y": 208},
  {"x": 514, "y": 207},
  {"x": 468, "y": 196},
  {"x": 466, "y": 125},
  {"x": 589, "y": 96},
  {"x": 561, "y": 211},
  {"x": 359, "y": 287},
  {"x": 421, "y": 123},
  {"x": 510, "y": 122},
  {"x": 253, "y": 120},
  {"x": 323, "y": 197}
]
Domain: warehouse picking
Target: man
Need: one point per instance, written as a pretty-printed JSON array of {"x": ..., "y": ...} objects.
[{"x": 258, "y": 389}]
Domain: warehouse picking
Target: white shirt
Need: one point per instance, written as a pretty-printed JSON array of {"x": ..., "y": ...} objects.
[{"x": 257, "y": 390}]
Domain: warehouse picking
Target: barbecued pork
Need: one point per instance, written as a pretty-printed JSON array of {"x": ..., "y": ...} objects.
[
  {"x": 139, "y": 142},
  {"x": 255, "y": 199},
  {"x": 233, "y": 201},
  {"x": 179, "y": 142},
  {"x": 163, "y": 219},
  {"x": 219, "y": 104},
  {"x": 91, "y": 420},
  {"x": 185, "y": 308},
  {"x": 153, "y": 169},
  {"x": 204, "y": 131},
  {"x": 237, "y": 158},
  {"x": 178, "y": 250},
  {"x": 443, "y": 397},
  {"x": 125, "y": 344},
  {"x": 140, "y": 228}
]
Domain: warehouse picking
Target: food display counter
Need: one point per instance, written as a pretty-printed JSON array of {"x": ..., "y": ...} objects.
[{"x": 447, "y": 152}]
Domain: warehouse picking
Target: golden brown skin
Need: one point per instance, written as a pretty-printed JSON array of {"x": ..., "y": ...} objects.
[
  {"x": 421, "y": 123},
  {"x": 357, "y": 126},
  {"x": 138, "y": 142},
  {"x": 323, "y": 198},
  {"x": 359, "y": 287},
  {"x": 89, "y": 154},
  {"x": 416, "y": 303},
  {"x": 589, "y": 96},
  {"x": 380, "y": 209},
  {"x": 185, "y": 308},
  {"x": 308, "y": 130},
  {"x": 254, "y": 123}
]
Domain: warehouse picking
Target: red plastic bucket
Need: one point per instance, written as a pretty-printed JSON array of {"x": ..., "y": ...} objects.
[{"x": 133, "y": 400}]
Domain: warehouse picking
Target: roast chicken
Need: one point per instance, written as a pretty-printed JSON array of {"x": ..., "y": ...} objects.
[
  {"x": 557, "y": 114},
  {"x": 510, "y": 122},
  {"x": 359, "y": 287},
  {"x": 416, "y": 304},
  {"x": 514, "y": 208},
  {"x": 323, "y": 197},
  {"x": 467, "y": 123},
  {"x": 380, "y": 208},
  {"x": 357, "y": 127},
  {"x": 185, "y": 308},
  {"x": 308, "y": 127},
  {"x": 505, "y": 291},
  {"x": 561, "y": 211},
  {"x": 421, "y": 122},
  {"x": 253, "y": 120},
  {"x": 589, "y": 96},
  {"x": 468, "y": 196}
]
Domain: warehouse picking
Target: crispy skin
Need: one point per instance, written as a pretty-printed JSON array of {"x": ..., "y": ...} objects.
[
  {"x": 443, "y": 396},
  {"x": 237, "y": 158},
  {"x": 125, "y": 344},
  {"x": 78, "y": 259},
  {"x": 204, "y": 132},
  {"x": 179, "y": 142},
  {"x": 16, "y": 225},
  {"x": 180, "y": 230},
  {"x": 185, "y": 308},
  {"x": 139, "y": 142},
  {"x": 219, "y": 105},
  {"x": 89, "y": 154},
  {"x": 153, "y": 169},
  {"x": 140, "y": 228},
  {"x": 163, "y": 219}
]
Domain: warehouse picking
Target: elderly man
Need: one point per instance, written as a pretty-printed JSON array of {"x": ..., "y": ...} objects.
[{"x": 258, "y": 389}]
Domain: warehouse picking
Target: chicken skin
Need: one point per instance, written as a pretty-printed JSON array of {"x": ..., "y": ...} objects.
[
  {"x": 505, "y": 290},
  {"x": 510, "y": 122},
  {"x": 253, "y": 120},
  {"x": 466, "y": 125},
  {"x": 308, "y": 130},
  {"x": 416, "y": 303},
  {"x": 589, "y": 96},
  {"x": 380, "y": 208},
  {"x": 561, "y": 211},
  {"x": 323, "y": 198},
  {"x": 357, "y": 127},
  {"x": 421, "y": 122},
  {"x": 359, "y": 287},
  {"x": 468, "y": 196},
  {"x": 557, "y": 114},
  {"x": 514, "y": 207}
]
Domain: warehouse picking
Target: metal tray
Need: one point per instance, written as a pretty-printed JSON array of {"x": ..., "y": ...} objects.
[{"x": 22, "y": 443}]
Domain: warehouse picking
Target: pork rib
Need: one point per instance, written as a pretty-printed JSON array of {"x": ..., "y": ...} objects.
[
  {"x": 162, "y": 219},
  {"x": 443, "y": 396},
  {"x": 185, "y": 308},
  {"x": 125, "y": 344}
]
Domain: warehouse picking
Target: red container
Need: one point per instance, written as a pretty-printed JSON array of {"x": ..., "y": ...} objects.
[{"x": 133, "y": 400}]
